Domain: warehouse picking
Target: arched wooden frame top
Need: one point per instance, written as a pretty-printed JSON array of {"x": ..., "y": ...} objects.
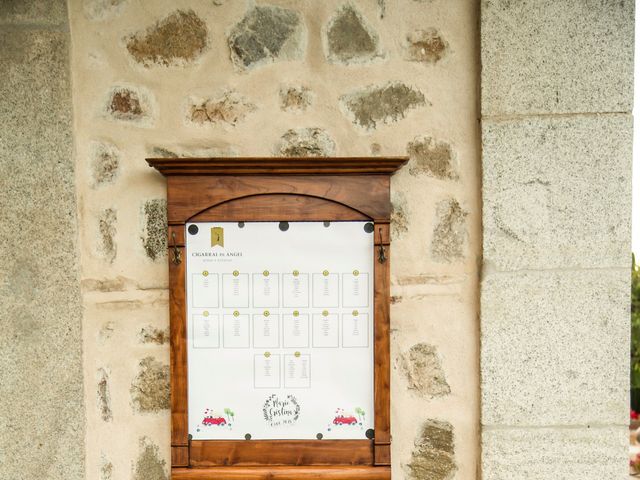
[
  {"x": 278, "y": 189},
  {"x": 273, "y": 207}
]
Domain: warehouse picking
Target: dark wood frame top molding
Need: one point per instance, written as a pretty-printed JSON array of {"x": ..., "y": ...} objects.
[{"x": 278, "y": 189}]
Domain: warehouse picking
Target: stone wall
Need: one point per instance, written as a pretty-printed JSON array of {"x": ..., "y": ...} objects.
[
  {"x": 228, "y": 78},
  {"x": 556, "y": 155},
  {"x": 41, "y": 397}
]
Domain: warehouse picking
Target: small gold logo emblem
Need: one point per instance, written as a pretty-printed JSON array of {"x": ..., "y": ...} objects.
[{"x": 217, "y": 236}]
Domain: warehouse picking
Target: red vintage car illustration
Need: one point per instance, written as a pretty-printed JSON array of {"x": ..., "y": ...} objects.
[
  {"x": 208, "y": 421},
  {"x": 342, "y": 420}
]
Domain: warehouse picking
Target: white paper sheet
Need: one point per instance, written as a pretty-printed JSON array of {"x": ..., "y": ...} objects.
[{"x": 280, "y": 337}]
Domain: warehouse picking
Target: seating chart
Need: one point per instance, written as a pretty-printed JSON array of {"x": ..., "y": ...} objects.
[{"x": 280, "y": 330}]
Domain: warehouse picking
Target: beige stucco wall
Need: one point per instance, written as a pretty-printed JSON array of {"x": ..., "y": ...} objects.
[{"x": 436, "y": 246}]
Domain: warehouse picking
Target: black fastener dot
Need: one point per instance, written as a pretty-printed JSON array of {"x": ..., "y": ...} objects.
[
  {"x": 247, "y": 436},
  {"x": 193, "y": 229},
  {"x": 319, "y": 436},
  {"x": 284, "y": 226},
  {"x": 369, "y": 433},
  {"x": 326, "y": 224},
  {"x": 240, "y": 224},
  {"x": 368, "y": 227}
]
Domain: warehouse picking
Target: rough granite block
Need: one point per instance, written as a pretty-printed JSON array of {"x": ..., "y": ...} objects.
[
  {"x": 549, "y": 56},
  {"x": 555, "y": 348},
  {"x": 558, "y": 454},
  {"x": 41, "y": 394},
  {"x": 555, "y": 453},
  {"x": 557, "y": 192},
  {"x": 34, "y": 12}
]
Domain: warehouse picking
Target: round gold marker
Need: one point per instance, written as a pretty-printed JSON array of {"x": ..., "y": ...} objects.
[
  {"x": 236, "y": 273},
  {"x": 205, "y": 273},
  {"x": 236, "y": 313}
]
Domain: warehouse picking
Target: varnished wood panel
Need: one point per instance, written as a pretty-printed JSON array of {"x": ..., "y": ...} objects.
[
  {"x": 190, "y": 195},
  {"x": 206, "y": 453},
  {"x": 180, "y": 456},
  {"x": 382, "y": 354},
  {"x": 276, "y": 207},
  {"x": 291, "y": 189},
  {"x": 282, "y": 473},
  {"x": 178, "y": 340},
  {"x": 277, "y": 165}
]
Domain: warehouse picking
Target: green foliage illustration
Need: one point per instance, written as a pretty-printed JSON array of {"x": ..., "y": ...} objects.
[{"x": 229, "y": 413}]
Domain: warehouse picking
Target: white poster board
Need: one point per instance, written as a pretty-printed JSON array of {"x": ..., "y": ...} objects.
[{"x": 280, "y": 330}]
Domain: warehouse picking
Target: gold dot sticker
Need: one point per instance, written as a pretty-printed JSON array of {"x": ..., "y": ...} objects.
[
  {"x": 265, "y": 273},
  {"x": 205, "y": 314},
  {"x": 266, "y": 313},
  {"x": 325, "y": 313},
  {"x": 236, "y": 313},
  {"x": 325, "y": 273},
  {"x": 297, "y": 354},
  {"x": 296, "y": 313},
  {"x": 236, "y": 273},
  {"x": 205, "y": 273},
  {"x": 296, "y": 273},
  {"x": 267, "y": 354},
  {"x": 356, "y": 273},
  {"x": 355, "y": 313}
]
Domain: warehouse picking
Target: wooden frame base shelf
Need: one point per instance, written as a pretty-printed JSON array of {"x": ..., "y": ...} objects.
[{"x": 335, "y": 472}]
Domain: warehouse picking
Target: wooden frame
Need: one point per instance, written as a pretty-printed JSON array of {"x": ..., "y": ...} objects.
[{"x": 279, "y": 189}]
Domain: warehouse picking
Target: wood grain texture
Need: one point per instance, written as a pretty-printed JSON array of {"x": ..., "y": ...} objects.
[
  {"x": 277, "y": 207},
  {"x": 382, "y": 353},
  {"x": 179, "y": 456},
  {"x": 282, "y": 473},
  {"x": 277, "y": 165},
  {"x": 205, "y": 453},
  {"x": 189, "y": 196},
  {"x": 178, "y": 342}
]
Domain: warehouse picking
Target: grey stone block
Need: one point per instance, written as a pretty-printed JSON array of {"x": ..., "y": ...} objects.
[
  {"x": 41, "y": 393},
  {"x": 558, "y": 454},
  {"x": 557, "y": 192},
  {"x": 555, "y": 348},
  {"x": 546, "y": 56},
  {"x": 34, "y": 12}
]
